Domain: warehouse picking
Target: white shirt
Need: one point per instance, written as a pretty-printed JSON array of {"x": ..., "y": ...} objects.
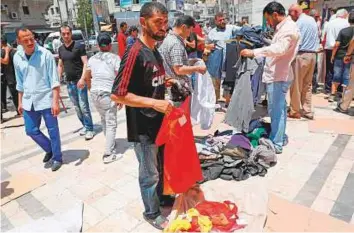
[
  {"x": 281, "y": 53},
  {"x": 332, "y": 30},
  {"x": 103, "y": 66}
]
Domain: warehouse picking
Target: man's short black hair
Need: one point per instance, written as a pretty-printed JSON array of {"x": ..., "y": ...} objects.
[
  {"x": 148, "y": 9},
  {"x": 133, "y": 29},
  {"x": 272, "y": 7},
  {"x": 334, "y": 10},
  {"x": 185, "y": 20},
  {"x": 351, "y": 17},
  {"x": 219, "y": 14},
  {"x": 66, "y": 26},
  {"x": 122, "y": 24},
  {"x": 23, "y": 29}
]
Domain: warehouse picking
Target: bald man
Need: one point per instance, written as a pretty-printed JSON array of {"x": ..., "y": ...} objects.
[{"x": 304, "y": 65}]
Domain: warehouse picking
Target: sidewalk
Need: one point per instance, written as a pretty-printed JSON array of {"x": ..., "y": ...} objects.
[{"x": 316, "y": 170}]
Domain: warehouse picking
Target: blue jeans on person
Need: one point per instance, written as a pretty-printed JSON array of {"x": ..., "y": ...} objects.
[
  {"x": 32, "y": 124},
  {"x": 277, "y": 110},
  {"x": 79, "y": 97},
  {"x": 146, "y": 152},
  {"x": 341, "y": 72}
]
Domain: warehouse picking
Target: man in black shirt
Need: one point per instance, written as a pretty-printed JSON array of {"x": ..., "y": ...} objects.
[
  {"x": 73, "y": 60},
  {"x": 140, "y": 85},
  {"x": 341, "y": 70},
  {"x": 8, "y": 72}
]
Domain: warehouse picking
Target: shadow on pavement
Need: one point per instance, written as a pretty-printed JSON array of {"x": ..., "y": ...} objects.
[
  {"x": 78, "y": 156},
  {"x": 122, "y": 145},
  {"x": 6, "y": 191}
]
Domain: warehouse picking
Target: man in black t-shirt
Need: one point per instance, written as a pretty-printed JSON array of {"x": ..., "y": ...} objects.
[
  {"x": 73, "y": 60},
  {"x": 140, "y": 85},
  {"x": 341, "y": 70},
  {"x": 8, "y": 73}
]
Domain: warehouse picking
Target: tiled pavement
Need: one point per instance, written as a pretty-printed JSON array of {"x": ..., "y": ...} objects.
[{"x": 316, "y": 170}]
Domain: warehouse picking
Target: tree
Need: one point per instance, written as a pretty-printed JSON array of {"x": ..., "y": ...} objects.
[{"x": 85, "y": 11}]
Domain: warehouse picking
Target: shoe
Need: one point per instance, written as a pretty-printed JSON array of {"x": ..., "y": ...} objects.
[
  {"x": 47, "y": 157},
  {"x": 309, "y": 117},
  {"x": 111, "y": 158},
  {"x": 56, "y": 165},
  {"x": 341, "y": 110},
  {"x": 89, "y": 135},
  {"x": 159, "y": 223},
  {"x": 82, "y": 131},
  {"x": 294, "y": 115},
  {"x": 331, "y": 98}
]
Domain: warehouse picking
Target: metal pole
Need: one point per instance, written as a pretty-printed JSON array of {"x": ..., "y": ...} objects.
[
  {"x": 67, "y": 13},
  {"x": 85, "y": 25}
]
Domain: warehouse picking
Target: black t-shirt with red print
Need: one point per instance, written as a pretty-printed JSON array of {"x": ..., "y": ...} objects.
[{"x": 141, "y": 73}]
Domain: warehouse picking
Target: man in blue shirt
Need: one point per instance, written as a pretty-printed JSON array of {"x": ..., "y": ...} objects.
[
  {"x": 38, "y": 91},
  {"x": 304, "y": 65},
  {"x": 218, "y": 36}
]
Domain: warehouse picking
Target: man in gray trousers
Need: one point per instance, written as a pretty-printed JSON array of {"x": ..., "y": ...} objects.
[{"x": 101, "y": 71}]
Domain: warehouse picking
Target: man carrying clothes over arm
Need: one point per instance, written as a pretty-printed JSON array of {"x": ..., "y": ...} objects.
[
  {"x": 277, "y": 71},
  {"x": 38, "y": 94},
  {"x": 140, "y": 85}
]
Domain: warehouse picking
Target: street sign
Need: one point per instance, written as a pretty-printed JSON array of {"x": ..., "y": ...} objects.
[{"x": 126, "y": 3}]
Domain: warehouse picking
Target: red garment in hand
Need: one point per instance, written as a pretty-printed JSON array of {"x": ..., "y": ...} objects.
[
  {"x": 222, "y": 215},
  {"x": 181, "y": 163}
]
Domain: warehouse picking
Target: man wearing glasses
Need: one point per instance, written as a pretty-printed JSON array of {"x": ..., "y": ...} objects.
[{"x": 38, "y": 94}]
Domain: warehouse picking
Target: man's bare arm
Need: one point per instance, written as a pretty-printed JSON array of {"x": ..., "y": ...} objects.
[{"x": 60, "y": 68}]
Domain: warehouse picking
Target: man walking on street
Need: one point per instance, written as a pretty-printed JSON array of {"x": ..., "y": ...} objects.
[
  {"x": 103, "y": 68},
  {"x": 304, "y": 65},
  {"x": 122, "y": 39},
  {"x": 140, "y": 85},
  {"x": 277, "y": 71},
  {"x": 341, "y": 69},
  {"x": 348, "y": 94},
  {"x": 331, "y": 33},
  {"x": 73, "y": 60},
  {"x": 38, "y": 88},
  {"x": 174, "y": 54}
]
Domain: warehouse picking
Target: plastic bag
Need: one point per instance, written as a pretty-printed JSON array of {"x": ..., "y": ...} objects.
[
  {"x": 186, "y": 201},
  {"x": 203, "y": 100}
]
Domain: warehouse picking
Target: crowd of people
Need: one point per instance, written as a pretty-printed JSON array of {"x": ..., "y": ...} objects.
[{"x": 160, "y": 59}]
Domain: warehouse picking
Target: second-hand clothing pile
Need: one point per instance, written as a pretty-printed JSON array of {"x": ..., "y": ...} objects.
[{"x": 237, "y": 156}]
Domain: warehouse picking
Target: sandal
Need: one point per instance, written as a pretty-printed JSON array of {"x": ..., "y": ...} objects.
[{"x": 159, "y": 223}]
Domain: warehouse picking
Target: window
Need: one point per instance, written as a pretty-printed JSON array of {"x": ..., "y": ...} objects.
[
  {"x": 57, "y": 10},
  {"x": 25, "y": 10},
  {"x": 52, "y": 11}
]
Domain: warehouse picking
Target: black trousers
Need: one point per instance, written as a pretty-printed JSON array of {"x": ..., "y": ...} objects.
[
  {"x": 329, "y": 70},
  {"x": 14, "y": 94},
  {"x": 3, "y": 93}
]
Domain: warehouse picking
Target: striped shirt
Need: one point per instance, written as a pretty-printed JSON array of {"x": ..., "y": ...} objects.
[{"x": 309, "y": 40}]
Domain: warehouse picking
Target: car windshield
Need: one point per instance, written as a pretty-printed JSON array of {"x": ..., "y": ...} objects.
[
  {"x": 92, "y": 37},
  {"x": 50, "y": 39},
  {"x": 77, "y": 36}
]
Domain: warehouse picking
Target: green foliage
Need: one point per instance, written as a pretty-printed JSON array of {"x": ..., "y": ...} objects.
[{"x": 84, "y": 10}]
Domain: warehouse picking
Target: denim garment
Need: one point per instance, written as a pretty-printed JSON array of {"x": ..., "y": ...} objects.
[
  {"x": 214, "y": 63},
  {"x": 147, "y": 154},
  {"x": 36, "y": 77},
  {"x": 277, "y": 110},
  {"x": 108, "y": 113},
  {"x": 79, "y": 98},
  {"x": 341, "y": 72},
  {"x": 32, "y": 124},
  {"x": 256, "y": 81}
]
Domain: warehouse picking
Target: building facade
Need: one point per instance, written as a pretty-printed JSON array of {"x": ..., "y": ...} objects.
[{"x": 61, "y": 11}]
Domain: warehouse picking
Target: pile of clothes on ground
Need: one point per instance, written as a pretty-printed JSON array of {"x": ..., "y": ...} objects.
[
  {"x": 231, "y": 156},
  {"x": 207, "y": 216}
]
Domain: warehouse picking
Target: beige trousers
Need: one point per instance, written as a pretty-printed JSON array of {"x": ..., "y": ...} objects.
[
  {"x": 349, "y": 91},
  {"x": 301, "y": 88}
]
